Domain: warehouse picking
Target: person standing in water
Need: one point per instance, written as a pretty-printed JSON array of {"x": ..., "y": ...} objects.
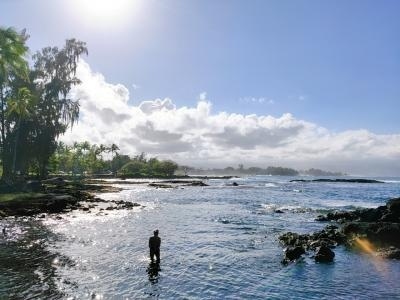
[{"x": 154, "y": 245}]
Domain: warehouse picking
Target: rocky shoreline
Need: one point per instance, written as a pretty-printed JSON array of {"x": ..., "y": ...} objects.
[
  {"x": 372, "y": 230},
  {"x": 59, "y": 196}
]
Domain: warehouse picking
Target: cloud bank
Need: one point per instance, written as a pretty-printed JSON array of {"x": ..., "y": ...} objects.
[{"x": 197, "y": 136}]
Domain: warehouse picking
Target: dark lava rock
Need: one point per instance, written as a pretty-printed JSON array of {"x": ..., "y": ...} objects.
[
  {"x": 235, "y": 184},
  {"x": 197, "y": 183},
  {"x": 292, "y": 253},
  {"x": 390, "y": 217},
  {"x": 321, "y": 218},
  {"x": 370, "y": 215},
  {"x": 161, "y": 185},
  {"x": 294, "y": 239},
  {"x": 394, "y": 206},
  {"x": 382, "y": 234},
  {"x": 355, "y": 180},
  {"x": 324, "y": 254},
  {"x": 278, "y": 211},
  {"x": 55, "y": 181},
  {"x": 391, "y": 253}
]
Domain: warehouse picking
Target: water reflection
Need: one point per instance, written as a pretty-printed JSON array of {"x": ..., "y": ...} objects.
[
  {"x": 152, "y": 271},
  {"x": 27, "y": 267}
]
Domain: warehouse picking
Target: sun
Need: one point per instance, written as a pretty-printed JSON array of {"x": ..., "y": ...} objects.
[{"x": 105, "y": 12}]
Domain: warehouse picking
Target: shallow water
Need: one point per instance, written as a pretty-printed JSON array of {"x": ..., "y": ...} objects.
[{"x": 218, "y": 242}]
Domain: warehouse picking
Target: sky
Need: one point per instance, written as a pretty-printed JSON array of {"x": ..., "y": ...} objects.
[{"x": 214, "y": 83}]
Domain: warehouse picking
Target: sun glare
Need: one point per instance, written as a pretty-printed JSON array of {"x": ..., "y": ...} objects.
[{"x": 106, "y": 12}]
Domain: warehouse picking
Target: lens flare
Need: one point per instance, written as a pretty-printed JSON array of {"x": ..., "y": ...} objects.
[{"x": 366, "y": 246}]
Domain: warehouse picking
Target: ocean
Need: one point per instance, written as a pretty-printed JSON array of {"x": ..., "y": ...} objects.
[{"x": 218, "y": 242}]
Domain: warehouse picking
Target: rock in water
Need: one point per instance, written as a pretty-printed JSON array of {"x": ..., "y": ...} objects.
[
  {"x": 324, "y": 254},
  {"x": 394, "y": 206},
  {"x": 292, "y": 253}
]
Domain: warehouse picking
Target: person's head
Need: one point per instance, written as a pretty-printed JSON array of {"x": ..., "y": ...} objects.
[{"x": 155, "y": 232}]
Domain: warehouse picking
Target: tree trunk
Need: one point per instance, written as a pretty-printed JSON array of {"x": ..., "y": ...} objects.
[{"x": 16, "y": 145}]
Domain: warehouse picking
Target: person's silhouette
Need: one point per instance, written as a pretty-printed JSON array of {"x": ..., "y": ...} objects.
[{"x": 154, "y": 245}]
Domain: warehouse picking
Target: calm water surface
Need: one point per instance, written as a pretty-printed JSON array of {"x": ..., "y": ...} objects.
[{"x": 218, "y": 242}]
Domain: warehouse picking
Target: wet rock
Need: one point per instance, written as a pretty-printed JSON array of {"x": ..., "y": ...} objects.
[
  {"x": 392, "y": 253},
  {"x": 197, "y": 183},
  {"x": 321, "y": 218},
  {"x": 55, "y": 181},
  {"x": 278, "y": 211},
  {"x": 324, "y": 254},
  {"x": 352, "y": 180},
  {"x": 393, "y": 206},
  {"x": 292, "y": 253},
  {"x": 235, "y": 184},
  {"x": 390, "y": 217},
  {"x": 370, "y": 214},
  {"x": 161, "y": 185},
  {"x": 381, "y": 234}
]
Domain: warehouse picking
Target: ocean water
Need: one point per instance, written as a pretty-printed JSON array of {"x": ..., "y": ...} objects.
[{"x": 218, "y": 242}]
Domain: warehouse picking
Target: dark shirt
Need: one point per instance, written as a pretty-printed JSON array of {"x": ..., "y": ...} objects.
[{"x": 154, "y": 243}]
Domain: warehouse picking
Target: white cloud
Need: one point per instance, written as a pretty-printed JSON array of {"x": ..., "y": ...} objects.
[
  {"x": 199, "y": 137},
  {"x": 259, "y": 100},
  {"x": 135, "y": 86}
]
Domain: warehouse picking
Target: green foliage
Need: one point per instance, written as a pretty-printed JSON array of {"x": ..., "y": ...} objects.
[
  {"x": 86, "y": 159},
  {"x": 140, "y": 167},
  {"x": 34, "y": 105}
]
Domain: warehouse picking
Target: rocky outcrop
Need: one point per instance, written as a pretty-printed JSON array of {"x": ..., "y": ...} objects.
[
  {"x": 37, "y": 204},
  {"x": 60, "y": 196},
  {"x": 324, "y": 254},
  {"x": 351, "y": 180},
  {"x": 293, "y": 253},
  {"x": 380, "y": 227},
  {"x": 386, "y": 213},
  {"x": 316, "y": 242}
]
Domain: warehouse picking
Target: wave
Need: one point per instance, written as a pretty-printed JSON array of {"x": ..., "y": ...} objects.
[{"x": 270, "y": 184}]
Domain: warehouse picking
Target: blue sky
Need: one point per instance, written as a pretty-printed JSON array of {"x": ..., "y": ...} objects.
[
  {"x": 341, "y": 57},
  {"x": 335, "y": 64}
]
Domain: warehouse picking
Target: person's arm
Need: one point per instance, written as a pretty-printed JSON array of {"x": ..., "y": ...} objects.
[{"x": 149, "y": 242}]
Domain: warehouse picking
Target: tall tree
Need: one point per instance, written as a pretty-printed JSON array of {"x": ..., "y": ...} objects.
[
  {"x": 55, "y": 75},
  {"x": 21, "y": 107},
  {"x": 113, "y": 149},
  {"x": 13, "y": 64}
]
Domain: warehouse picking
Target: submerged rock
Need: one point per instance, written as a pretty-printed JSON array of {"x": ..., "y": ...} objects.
[{"x": 324, "y": 254}]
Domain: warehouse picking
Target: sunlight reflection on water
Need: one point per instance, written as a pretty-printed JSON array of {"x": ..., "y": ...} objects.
[{"x": 218, "y": 242}]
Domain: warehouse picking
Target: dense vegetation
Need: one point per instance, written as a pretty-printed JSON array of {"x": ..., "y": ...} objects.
[
  {"x": 89, "y": 159},
  {"x": 34, "y": 105}
]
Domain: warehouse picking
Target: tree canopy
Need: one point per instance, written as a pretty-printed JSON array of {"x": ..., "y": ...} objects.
[{"x": 35, "y": 107}]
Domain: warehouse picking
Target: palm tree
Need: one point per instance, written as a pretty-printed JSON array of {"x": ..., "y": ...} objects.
[
  {"x": 113, "y": 148},
  {"x": 12, "y": 63},
  {"x": 21, "y": 107}
]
